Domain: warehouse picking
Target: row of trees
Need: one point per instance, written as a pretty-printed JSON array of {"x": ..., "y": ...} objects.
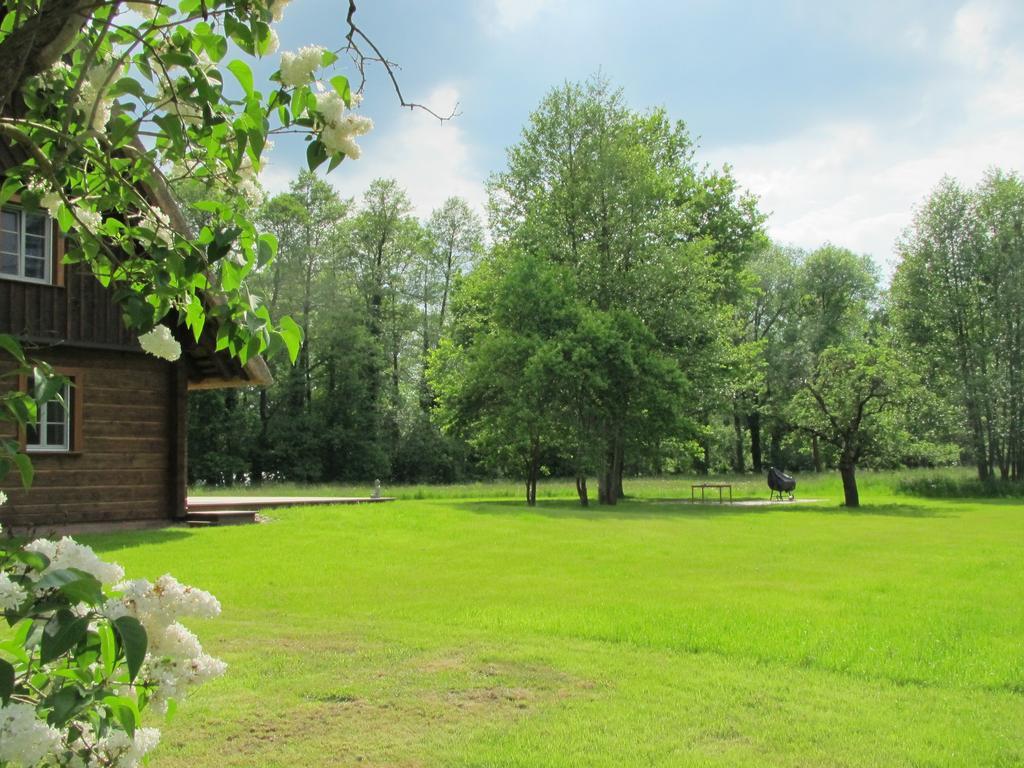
[
  {"x": 629, "y": 316},
  {"x": 370, "y": 287}
]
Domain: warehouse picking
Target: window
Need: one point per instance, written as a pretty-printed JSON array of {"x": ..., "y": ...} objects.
[
  {"x": 25, "y": 244},
  {"x": 52, "y": 432}
]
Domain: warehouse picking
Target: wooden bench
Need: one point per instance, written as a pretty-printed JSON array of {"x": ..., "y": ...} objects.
[{"x": 703, "y": 486}]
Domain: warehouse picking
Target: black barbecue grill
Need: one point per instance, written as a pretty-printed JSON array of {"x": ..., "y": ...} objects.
[{"x": 779, "y": 482}]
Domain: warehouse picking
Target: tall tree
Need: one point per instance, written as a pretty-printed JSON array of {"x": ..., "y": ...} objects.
[
  {"x": 957, "y": 294},
  {"x": 608, "y": 194}
]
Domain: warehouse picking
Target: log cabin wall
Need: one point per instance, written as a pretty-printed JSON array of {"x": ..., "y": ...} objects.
[
  {"x": 75, "y": 310},
  {"x": 127, "y": 464}
]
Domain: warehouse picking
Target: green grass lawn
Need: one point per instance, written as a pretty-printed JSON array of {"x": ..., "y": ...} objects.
[{"x": 463, "y": 629}]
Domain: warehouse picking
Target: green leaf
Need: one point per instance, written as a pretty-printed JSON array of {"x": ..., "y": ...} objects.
[
  {"x": 10, "y": 345},
  {"x": 11, "y": 186},
  {"x": 62, "y": 632},
  {"x": 195, "y": 317},
  {"x": 342, "y": 88},
  {"x": 316, "y": 154},
  {"x": 33, "y": 560},
  {"x": 64, "y": 704},
  {"x": 126, "y": 711},
  {"x": 267, "y": 249},
  {"x": 134, "y": 641},
  {"x": 6, "y": 681},
  {"x": 243, "y": 74},
  {"x": 108, "y": 647},
  {"x": 24, "y": 465},
  {"x": 291, "y": 334},
  {"x": 78, "y": 586}
]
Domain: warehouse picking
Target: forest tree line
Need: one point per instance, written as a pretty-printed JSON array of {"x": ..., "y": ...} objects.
[{"x": 626, "y": 315}]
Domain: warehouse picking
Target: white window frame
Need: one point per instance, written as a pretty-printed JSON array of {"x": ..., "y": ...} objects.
[
  {"x": 47, "y": 278},
  {"x": 42, "y": 431}
]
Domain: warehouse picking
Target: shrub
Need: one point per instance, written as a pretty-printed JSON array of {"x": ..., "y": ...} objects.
[{"x": 84, "y": 659}]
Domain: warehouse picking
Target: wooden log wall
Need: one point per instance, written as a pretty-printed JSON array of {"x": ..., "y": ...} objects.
[{"x": 129, "y": 463}]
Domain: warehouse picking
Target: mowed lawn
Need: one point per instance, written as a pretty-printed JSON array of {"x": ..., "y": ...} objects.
[{"x": 456, "y": 631}]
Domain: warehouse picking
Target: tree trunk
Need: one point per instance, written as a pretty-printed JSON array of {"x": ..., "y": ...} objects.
[
  {"x": 621, "y": 461},
  {"x": 581, "y": 490},
  {"x": 775, "y": 448},
  {"x": 754, "y": 425},
  {"x": 815, "y": 453},
  {"x": 739, "y": 459},
  {"x": 610, "y": 478},
  {"x": 848, "y": 472},
  {"x": 532, "y": 471}
]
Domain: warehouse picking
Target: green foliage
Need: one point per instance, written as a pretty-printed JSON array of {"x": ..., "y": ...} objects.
[
  {"x": 77, "y": 665},
  {"x": 958, "y": 300}
]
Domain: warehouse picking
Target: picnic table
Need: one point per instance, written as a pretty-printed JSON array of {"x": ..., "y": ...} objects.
[{"x": 703, "y": 486}]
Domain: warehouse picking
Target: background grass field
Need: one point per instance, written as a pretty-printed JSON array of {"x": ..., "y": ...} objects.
[{"x": 456, "y": 627}]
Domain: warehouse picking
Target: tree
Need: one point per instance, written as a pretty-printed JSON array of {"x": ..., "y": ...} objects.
[
  {"x": 496, "y": 376},
  {"x": 770, "y": 309},
  {"x": 457, "y": 238},
  {"x": 383, "y": 241},
  {"x": 852, "y": 401},
  {"x": 613, "y": 197},
  {"x": 957, "y": 296},
  {"x": 104, "y": 110}
]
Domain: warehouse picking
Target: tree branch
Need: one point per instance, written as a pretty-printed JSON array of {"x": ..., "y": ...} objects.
[{"x": 354, "y": 33}]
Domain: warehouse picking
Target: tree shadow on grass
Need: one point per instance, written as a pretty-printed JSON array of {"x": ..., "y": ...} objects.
[
  {"x": 112, "y": 541},
  {"x": 647, "y": 509}
]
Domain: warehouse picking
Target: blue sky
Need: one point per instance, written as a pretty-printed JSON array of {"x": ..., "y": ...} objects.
[{"x": 839, "y": 116}]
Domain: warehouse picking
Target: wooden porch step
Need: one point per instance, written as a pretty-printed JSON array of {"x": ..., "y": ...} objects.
[{"x": 221, "y": 517}]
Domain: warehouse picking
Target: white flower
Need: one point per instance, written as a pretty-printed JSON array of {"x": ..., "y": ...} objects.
[
  {"x": 50, "y": 201},
  {"x": 160, "y": 343},
  {"x": 3, "y": 498},
  {"x": 158, "y": 221},
  {"x": 330, "y": 105},
  {"x": 339, "y": 136},
  {"x": 25, "y": 740},
  {"x": 145, "y": 10},
  {"x": 274, "y": 44},
  {"x": 68, "y": 553},
  {"x": 119, "y": 749},
  {"x": 159, "y": 604},
  {"x": 92, "y": 98},
  {"x": 277, "y": 9},
  {"x": 11, "y": 595},
  {"x": 167, "y": 98},
  {"x": 298, "y": 68},
  {"x": 91, "y": 220}
]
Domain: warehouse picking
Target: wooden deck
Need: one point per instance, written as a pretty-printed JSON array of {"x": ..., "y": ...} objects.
[{"x": 237, "y": 510}]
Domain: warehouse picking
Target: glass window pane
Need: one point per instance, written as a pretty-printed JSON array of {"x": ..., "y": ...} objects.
[
  {"x": 35, "y": 224},
  {"x": 9, "y": 220},
  {"x": 54, "y": 412},
  {"x": 35, "y": 246},
  {"x": 32, "y": 434},
  {"x": 8, "y": 263},
  {"x": 55, "y": 434},
  {"x": 35, "y": 268},
  {"x": 10, "y": 242}
]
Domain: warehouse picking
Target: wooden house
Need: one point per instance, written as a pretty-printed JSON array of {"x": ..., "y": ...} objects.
[{"x": 118, "y": 453}]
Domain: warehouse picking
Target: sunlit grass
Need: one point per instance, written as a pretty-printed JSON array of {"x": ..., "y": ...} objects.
[{"x": 464, "y": 629}]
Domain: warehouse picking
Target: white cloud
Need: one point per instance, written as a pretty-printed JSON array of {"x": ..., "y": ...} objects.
[
  {"x": 431, "y": 160},
  {"x": 511, "y": 15},
  {"x": 855, "y": 184},
  {"x": 974, "y": 25}
]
